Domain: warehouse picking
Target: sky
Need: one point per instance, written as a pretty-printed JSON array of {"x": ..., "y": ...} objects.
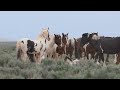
[{"x": 15, "y": 25}]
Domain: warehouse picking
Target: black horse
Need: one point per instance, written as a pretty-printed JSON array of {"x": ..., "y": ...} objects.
[{"x": 102, "y": 45}]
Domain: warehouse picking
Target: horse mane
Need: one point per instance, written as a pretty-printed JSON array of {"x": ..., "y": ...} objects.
[{"x": 70, "y": 42}]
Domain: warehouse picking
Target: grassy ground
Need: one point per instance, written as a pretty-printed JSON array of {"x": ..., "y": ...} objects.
[{"x": 11, "y": 68}]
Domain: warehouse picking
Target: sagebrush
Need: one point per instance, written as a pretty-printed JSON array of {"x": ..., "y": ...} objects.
[{"x": 11, "y": 68}]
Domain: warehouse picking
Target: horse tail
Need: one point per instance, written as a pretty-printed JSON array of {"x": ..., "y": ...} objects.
[{"x": 18, "y": 50}]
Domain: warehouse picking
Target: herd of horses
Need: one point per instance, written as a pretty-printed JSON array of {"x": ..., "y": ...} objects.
[{"x": 56, "y": 47}]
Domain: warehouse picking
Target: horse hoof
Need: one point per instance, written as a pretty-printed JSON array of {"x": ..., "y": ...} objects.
[{"x": 98, "y": 63}]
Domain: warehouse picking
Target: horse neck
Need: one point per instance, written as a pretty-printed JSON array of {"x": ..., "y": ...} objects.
[
  {"x": 40, "y": 37},
  {"x": 64, "y": 41},
  {"x": 70, "y": 43},
  {"x": 52, "y": 41}
]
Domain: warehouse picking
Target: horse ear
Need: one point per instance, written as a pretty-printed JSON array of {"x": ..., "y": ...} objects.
[
  {"x": 48, "y": 28},
  {"x": 63, "y": 34},
  {"x": 67, "y": 33},
  {"x": 54, "y": 34},
  {"x": 97, "y": 33},
  {"x": 74, "y": 38}
]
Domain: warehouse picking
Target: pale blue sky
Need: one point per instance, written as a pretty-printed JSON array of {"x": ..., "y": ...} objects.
[{"x": 19, "y": 24}]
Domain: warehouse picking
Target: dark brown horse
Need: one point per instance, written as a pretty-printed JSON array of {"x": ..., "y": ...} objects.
[
  {"x": 60, "y": 49},
  {"x": 57, "y": 39},
  {"x": 64, "y": 38},
  {"x": 64, "y": 41},
  {"x": 78, "y": 49},
  {"x": 69, "y": 48}
]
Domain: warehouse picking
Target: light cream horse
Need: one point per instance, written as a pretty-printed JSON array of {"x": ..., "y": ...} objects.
[
  {"x": 43, "y": 38},
  {"x": 49, "y": 43}
]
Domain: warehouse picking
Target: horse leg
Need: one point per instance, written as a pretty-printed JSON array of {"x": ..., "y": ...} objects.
[
  {"x": 56, "y": 56},
  {"x": 65, "y": 49},
  {"x": 102, "y": 57},
  {"x": 115, "y": 58},
  {"x": 92, "y": 56},
  {"x": 25, "y": 57},
  {"x": 81, "y": 55},
  {"x": 96, "y": 57},
  {"x": 104, "y": 61},
  {"x": 71, "y": 54},
  {"x": 39, "y": 58},
  {"x": 76, "y": 53},
  {"x": 118, "y": 59},
  {"x": 87, "y": 56},
  {"x": 107, "y": 58}
]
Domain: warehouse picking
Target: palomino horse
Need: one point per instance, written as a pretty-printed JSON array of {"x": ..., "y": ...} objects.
[
  {"x": 49, "y": 44},
  {"x": 43, "y": 38},
  {"x": 51, "y": 48},
  {"x": 44, "y": 34}
]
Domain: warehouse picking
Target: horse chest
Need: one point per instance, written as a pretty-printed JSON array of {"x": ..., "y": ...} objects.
[{"x": 60, "y": 50}]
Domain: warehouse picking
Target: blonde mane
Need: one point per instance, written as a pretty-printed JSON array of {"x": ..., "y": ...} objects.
[{"x": 44, "y": 34}]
